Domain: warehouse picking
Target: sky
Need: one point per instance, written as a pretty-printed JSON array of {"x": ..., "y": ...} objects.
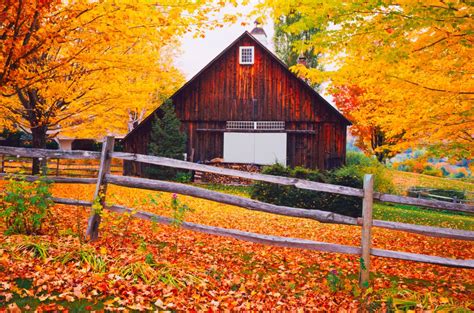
[{"x": 198, "y": 52}]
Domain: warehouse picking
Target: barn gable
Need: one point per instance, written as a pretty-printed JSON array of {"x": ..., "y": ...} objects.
[{"x": 226, "y": 91}]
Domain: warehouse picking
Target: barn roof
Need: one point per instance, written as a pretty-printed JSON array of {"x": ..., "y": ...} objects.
[{"x": 272, "y": 55}]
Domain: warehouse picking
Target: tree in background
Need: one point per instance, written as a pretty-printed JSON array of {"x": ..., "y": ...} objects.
[
  {"x": 98, "y": 64},
  {"x": 166, "y": 140},
  {"x": 290, "y": 45},
  {"x": 413, "y": 59},
  {"x": 370, "y": 137}
]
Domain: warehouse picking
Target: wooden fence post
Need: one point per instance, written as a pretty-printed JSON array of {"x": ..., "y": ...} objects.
[
  {"x": 100, "y": 189},
  {"x": 57, "y": 167},
  {"x": 2, "y": 164},
  {"x": 366, "y": 242}
]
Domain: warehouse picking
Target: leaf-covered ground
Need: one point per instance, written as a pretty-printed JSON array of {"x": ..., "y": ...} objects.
[{"x": 141, "y": 265}]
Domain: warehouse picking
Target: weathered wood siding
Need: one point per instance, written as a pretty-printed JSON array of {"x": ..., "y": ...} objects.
[{"x": 264, "y": 91}]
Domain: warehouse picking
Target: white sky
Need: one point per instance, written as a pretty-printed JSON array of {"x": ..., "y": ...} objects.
[{"x": 198, "y": 52}]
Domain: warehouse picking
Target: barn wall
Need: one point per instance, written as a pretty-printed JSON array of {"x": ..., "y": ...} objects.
[{"x": 264, "y": 91}]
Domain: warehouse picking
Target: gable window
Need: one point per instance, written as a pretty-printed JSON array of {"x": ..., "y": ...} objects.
[{"x": 246, "y": 55}]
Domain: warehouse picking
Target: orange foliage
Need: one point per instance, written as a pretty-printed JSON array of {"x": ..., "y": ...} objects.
[{"x": 202, "y": 272}]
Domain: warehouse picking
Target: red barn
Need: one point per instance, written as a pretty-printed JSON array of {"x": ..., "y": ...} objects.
[{"x": 245, "y": 106}]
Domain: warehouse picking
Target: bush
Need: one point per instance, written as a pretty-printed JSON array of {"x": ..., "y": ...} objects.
[
  {"x": 350, "y": 175},
  {"x": 432, "y": 171},
  {"x": 25, "y": 205},
  {"x": 459, "y": 175},
  {"x": 359, "y": 159},
  {"x": 183, "y": 177},
  {"x": 445, "y": 171},
  {"x": 294, "y": 197}
]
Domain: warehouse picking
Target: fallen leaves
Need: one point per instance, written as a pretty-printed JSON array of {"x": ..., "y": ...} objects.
[{"x": 141, "y": 266}]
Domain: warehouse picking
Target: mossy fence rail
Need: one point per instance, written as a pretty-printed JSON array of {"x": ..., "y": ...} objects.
[{"x": 367, "y": 194}]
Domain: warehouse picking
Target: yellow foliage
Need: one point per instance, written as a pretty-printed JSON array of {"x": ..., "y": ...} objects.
[
  {"x": 412, "y": 58},
  {"x": 97, "y": 65}
]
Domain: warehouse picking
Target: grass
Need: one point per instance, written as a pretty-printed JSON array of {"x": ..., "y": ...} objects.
[
  {"x": 397, "y": 212},
  {"x": 405, "y": 180},
  {"x": 30, "y": 304},
  {"x": 415, "y": 215},
  {"x": 243, "y": 191}
]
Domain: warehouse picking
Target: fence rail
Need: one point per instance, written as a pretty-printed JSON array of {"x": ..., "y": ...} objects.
[
  {"x": 367, "y": 194},
  {"x": 71, "y": 165},
  {"x": 296, "y": 182}
]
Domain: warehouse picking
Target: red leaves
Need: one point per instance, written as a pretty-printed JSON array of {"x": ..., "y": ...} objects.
[{"x": 193, "y": 271}]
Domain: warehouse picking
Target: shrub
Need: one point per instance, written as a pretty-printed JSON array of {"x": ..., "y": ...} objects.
[
  {"x": 25, "y": 205},
  {"x": 183, "y": 177},
  {"x": 359, "y": 159},
  {"x": 445, "y": 171},
  {"x": 294, "y": 197},
  {"x": 432, "y": 171},
  {"x": 459, "y": 175},
  {"x": 350, "y": 175}
]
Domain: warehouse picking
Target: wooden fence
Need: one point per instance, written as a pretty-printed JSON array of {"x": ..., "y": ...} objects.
[
  {"x": 58, "y": 167},
  {"x": 367, "y": 194}
]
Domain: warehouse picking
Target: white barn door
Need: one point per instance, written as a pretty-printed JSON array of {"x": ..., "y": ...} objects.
[{"x": 255, "y": 148}]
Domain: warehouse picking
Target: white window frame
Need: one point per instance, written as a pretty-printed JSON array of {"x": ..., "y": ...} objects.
[{"x": 241, "y": 49}]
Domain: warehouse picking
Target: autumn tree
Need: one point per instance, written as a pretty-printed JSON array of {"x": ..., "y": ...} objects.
[
  {"x": 413, "y": 59},
  {"x": 20, "y": 35},
  {"x": 107, "y": 62},
  {"x": 290, "y": 45},
  {"x": 370, "y": 137}
]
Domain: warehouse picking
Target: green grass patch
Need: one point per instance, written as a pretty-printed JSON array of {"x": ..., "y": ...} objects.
[
  {"x": 243, "y": 191},
  {"x": 415, "y": 215},
  {"x": 32, "y": 304}
]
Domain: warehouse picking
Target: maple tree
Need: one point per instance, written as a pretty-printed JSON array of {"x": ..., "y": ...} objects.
[
  {"x": 100, "y": 65},
  {"x": 19, "y": 35},
  {"x": 412, "y": 58},
  {"x": 370, "y": 137}
]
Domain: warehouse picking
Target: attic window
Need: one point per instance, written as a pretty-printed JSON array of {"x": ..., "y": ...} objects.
[{"x": 246, "y": 55}]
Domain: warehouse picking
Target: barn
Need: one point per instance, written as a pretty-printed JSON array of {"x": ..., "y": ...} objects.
[{"x": 246, "y": 106}]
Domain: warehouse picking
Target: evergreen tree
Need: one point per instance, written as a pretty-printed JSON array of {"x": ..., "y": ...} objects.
[{"x": 166, "y": 140}]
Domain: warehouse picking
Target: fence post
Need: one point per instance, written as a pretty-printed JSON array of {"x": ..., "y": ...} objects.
[
  {"x": 366, "y": 242},
  {"x": 57, "y": 167},
  {"x": 2, "y": 164},
  {"x": 100, "y": 189}
]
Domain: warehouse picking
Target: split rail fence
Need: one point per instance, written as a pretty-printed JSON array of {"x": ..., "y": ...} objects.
[{"x": 367, "y": 194}]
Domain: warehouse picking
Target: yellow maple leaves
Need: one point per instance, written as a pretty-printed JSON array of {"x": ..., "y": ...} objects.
[
  {"x": 412, "y": 58},
  {"x": 100, "y": 65}
]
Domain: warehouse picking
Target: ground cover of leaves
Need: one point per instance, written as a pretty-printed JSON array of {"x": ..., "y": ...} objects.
[{"x": 142, "y": 265}]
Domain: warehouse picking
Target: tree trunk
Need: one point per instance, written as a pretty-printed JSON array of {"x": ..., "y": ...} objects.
[{"x": 39, "y": 141}]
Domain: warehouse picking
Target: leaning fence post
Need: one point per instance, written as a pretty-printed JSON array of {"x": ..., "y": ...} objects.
[
  {"x": 366, "y": 242},
  {"x": 100, "y": 189}
]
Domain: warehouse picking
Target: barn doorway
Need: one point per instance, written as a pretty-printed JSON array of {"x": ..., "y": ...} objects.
[{"x": 255, "y": 148}]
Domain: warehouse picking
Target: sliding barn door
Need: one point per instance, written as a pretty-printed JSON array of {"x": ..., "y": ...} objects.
[{"x": 255, "y": 148}]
